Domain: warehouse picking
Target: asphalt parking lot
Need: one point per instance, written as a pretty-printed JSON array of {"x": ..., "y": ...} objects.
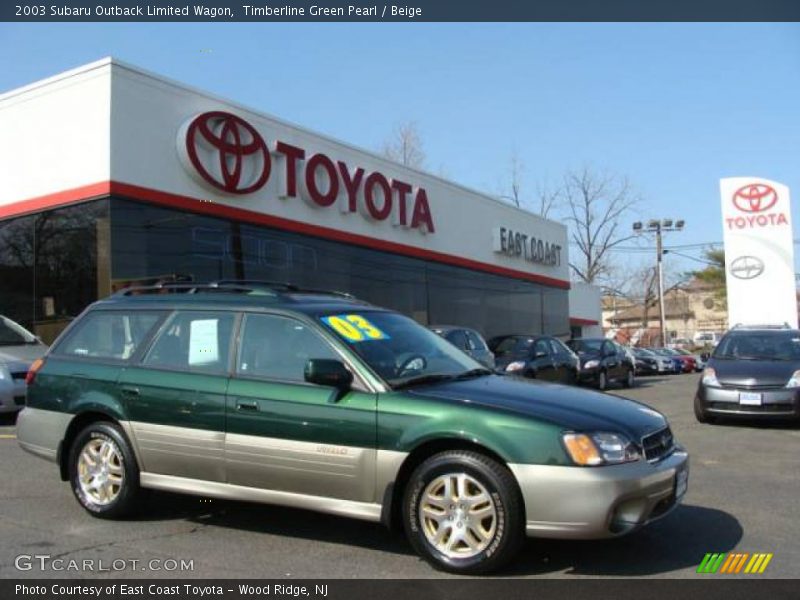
[{"x": 743, "y": 495}]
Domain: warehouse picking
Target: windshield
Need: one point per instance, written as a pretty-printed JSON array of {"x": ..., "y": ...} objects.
[
  {"x": 399, "y": 349},
  {"x": 642, "y": 353},
  {"x": 513, "y": 346},
  {"x": 760, "y": 345},
  {"x": 12, "y": 334},
  {"x": 585, "y": 345}
]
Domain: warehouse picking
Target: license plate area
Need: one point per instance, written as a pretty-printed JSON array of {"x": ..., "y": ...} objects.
[{"x": 749, "y": 399}]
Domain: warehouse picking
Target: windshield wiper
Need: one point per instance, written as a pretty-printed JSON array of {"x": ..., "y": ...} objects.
[
  {"x": 480, "y": 372},
  {"x": 423, "y": 379}
]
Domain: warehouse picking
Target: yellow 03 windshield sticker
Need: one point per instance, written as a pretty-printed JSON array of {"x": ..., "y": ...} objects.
[{"x": 355, "y": 328}]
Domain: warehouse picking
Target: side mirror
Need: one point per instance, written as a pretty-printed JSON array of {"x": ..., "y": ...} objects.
[{"x": 327, "y": 372}]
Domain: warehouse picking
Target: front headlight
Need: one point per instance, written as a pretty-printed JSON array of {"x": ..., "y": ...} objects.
[
  {"x": 517, "y": 365},
  {"x": 794, "y": 380},
  {"x": 5, "y": 374},
  {"x": 591, "y": 364},
  {"x": 710, "y": 377},
  {"x": 594, "y": 449}
]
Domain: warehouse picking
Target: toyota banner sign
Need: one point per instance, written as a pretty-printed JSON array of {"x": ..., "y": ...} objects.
[{"x": 759, "y": 251}]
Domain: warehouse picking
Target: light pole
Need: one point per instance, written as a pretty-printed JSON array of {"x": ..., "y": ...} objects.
[{"x": 657, "y": 227}]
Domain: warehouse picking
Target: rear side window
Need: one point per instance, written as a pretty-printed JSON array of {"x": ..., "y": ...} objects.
[
  {"x": 109, "y": 334},
  {"x": 193, "y": 341}
]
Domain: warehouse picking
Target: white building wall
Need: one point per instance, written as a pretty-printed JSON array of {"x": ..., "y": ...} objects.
[
  {"x": 55, "y": 135},
  {"x": 585, "y": 305}
]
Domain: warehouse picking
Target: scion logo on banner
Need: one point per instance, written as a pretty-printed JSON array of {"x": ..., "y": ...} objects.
[
  {"x": 226, "y": 152},
  {"x": 735, "y": 562},
  {"x": 755, "y": 199},
  {"x": 747, "y": 267}
]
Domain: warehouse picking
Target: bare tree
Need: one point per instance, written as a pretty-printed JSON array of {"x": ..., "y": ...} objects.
[
  {"x": 596, "y": 205},
  {"x": 515, "y": 173},
  {"x": 550, "y": 199},
  {"x": 405, "y": 145}
]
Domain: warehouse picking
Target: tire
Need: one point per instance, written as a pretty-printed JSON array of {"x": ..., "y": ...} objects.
[
  {"x": 630, "y": 379},
  {"x": 493, "y": 540},
  {"x": 602, "y": 381},
  {"x": 106, "y": 444},
  {"x": 700, "y": 413}
]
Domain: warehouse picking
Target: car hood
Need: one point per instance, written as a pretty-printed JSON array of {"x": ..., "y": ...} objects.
[
  {"x": 753, "y": 372},
  {"x": 569, "y": 407},
  {"x": 20, "y": 357}
]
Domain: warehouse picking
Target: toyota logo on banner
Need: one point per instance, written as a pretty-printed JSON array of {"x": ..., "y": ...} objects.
[
  {"x": 747, "y": 267},
  {"x": 755, "y": 198},
  {"x": 225, "y": 151}
]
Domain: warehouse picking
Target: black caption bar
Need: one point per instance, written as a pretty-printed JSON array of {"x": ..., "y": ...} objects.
[
  {"x": 413, "y": 10},
  {"x": 709, "y": 588}
]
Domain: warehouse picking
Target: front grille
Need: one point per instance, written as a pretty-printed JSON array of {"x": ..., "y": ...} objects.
[
  {"x": 753, "y": 387},
  {"x": 658, "y": 445},
  {"x": 19, "y": 375}
]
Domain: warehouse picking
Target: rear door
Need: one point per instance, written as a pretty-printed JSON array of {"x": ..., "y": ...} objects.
[
  {"x": 289, "y": 435},
  {"x": 83, "y": 369},
  {"x": 175, "y": 396}
]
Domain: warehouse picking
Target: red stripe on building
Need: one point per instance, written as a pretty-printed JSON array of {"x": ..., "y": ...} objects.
[
  {"x": 582, "y": 322},
  {"x": 198, "y": 205}
]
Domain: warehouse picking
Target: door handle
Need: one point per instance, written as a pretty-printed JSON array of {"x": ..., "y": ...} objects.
[
  {"x": 131, "y": 392},
  {"x": 249, "y": 406}
]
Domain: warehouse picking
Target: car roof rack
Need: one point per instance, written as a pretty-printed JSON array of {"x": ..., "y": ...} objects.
[
  {"x": 785, "y": 325},
  {"x": 232, "y": 286}
]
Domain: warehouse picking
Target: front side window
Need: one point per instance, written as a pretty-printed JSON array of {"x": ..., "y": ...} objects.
[
  {"x": 398, "y": 348},
  {"x": 476, "y": 341},
  {"x": 458, "y": 339},
  {"x": 275, "y": 347},
  {"x": 109, "y": 334},
  {"x": 193, "y": 341}
]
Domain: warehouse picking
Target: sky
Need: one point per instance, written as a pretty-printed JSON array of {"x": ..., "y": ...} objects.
[{"x": 672, "y": 107}]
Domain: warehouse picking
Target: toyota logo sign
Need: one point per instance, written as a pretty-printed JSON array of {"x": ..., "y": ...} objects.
[
  {"x": 226, "y": 152},
  {"x": 747, "y": 267},
  {"x": 755, "y": 198}
]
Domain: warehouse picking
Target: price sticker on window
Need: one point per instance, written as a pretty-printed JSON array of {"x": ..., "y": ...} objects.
[{"x": 354, "y": 328}]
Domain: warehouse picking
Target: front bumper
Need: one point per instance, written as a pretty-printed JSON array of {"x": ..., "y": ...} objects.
[
  {"x": 12, "y": 395},
  {"x": 598, "y": 502},
  {"x": 776, "y": 403}
]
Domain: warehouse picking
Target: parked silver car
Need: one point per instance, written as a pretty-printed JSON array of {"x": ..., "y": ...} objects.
[{"x": 18, "y": 349}]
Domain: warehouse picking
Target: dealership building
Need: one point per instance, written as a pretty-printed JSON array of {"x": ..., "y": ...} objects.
[{"x": 114, "y": 176}]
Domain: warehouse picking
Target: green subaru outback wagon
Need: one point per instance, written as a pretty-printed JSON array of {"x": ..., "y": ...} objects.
[{"x": 269, "y": 393}]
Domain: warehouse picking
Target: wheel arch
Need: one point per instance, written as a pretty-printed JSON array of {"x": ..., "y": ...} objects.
[
  {"x": 76, "y": 425},
  {"x": 393, "y": 494}
]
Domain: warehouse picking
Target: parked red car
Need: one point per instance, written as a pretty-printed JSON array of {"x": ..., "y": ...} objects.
[{"x": 689, "y": 362}]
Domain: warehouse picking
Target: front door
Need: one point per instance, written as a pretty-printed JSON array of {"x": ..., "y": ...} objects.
[
  {"x": 289, "y": 435},
  {"x": 543, "y": 360},
  {"x": 176, "y": 396}
]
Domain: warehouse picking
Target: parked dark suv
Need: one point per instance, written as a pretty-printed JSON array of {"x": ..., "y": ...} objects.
[
  {"x": 754, "y": 372},
  {"x": 603, "y": 362},
  {"x": 536, "y": 357},
  {"x": 320, "y": 401}
]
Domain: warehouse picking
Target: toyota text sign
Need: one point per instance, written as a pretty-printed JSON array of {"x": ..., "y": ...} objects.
[{"x": 759, "y": 251}]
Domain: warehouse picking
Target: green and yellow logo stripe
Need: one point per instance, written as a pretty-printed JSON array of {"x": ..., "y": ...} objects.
[{"x": 734, "y": 562}]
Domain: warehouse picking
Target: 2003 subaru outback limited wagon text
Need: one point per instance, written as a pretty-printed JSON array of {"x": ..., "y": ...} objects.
[{"x": 273, "y": 394}]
